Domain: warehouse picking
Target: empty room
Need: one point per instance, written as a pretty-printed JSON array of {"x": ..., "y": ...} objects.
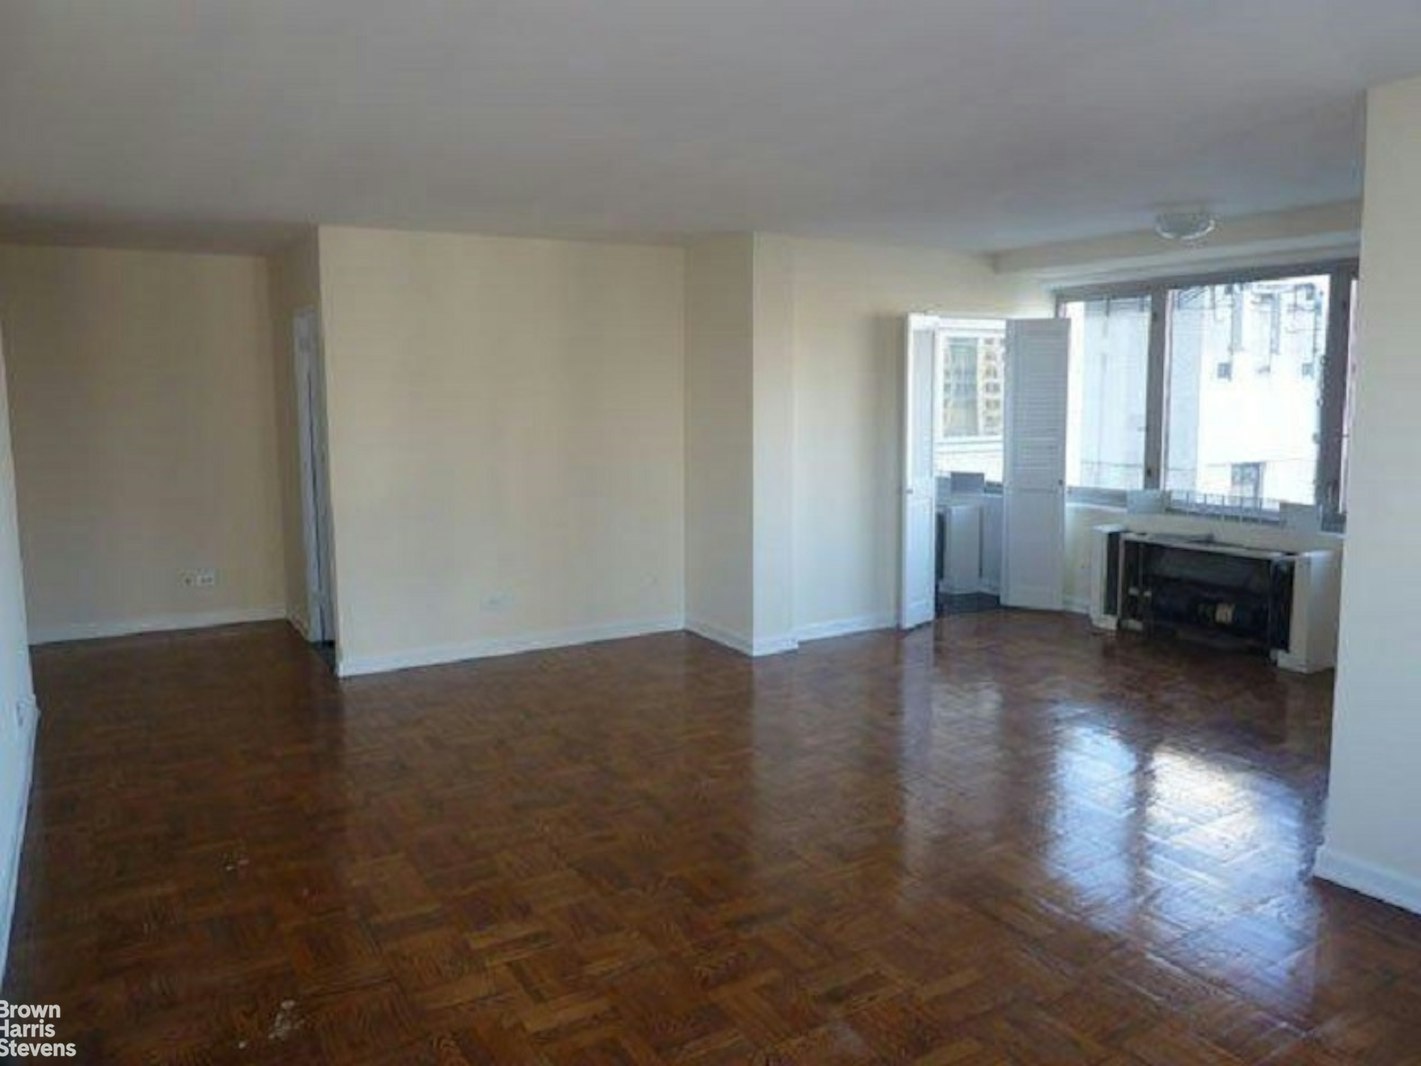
[{"x": 800, "y": 532}]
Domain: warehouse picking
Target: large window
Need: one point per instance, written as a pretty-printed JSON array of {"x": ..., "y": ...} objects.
[
  {"x": 970, "y": 379},
  {"x": 1245, "y": 389},
  {"x": 1231, "y": 392},
  {"x": 1110, "y": 356}
]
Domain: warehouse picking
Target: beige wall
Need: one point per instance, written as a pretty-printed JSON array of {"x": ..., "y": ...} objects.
[
  {"x": 144, "y": 436},
  {"x": 740, "y": 441},
  {"x": 294, "y": 283},
  {"x": 719, "y": 471},
  {"x": 17, "y": 716},
  {"x": 849, "y": 305},
  {"x": 1373, "y": 839},
  {"x": 506, "y": 441},
  {"x": 774, "y": 487}
]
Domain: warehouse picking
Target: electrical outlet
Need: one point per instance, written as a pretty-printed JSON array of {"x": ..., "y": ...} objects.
[{"x": 202, "y": 578}]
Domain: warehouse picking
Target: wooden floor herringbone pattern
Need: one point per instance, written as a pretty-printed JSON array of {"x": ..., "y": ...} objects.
[{"x": 1008, "y": 840}]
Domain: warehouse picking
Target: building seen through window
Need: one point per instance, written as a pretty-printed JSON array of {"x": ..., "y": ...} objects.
[
  {"x": 1244, "y": 391},
  {"x": 970, "y": 379},
  {"x": 1105, "y": 405},
  {"x": 1226, "y": 394},
  {"x": 1231, "y": 397}
]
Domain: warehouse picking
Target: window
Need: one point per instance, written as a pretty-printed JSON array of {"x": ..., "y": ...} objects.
[
  {"x": 1105, "y": 428},
  {"x": 1246, "y": 482},
  {"x": 961, "y": 391},
  {"x": 970, "y": 373},
  {"x": 1231, "y": 392},
  {"x": 1266, "y": 420}
]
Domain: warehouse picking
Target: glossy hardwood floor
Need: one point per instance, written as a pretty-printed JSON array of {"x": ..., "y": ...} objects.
[{"x": 1008, "y": 841}]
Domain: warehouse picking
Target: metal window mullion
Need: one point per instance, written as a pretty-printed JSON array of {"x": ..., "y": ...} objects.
[
  {"x": 1155, "y": 388},
  {"x": 1334, "y": 391}
]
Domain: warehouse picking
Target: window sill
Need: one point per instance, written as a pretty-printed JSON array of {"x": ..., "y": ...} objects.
[
  {"x": 1099, "y": 497},
  {"x": 1109, "y": 499}
]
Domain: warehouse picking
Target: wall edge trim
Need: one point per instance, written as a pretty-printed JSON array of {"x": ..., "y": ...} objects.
[
  {"x": 1368, "y": 878},
  {"x": 776, "y": 645},
  {"x": 843, "y": 627},
  {"x": 162, "y": 623},
  {"x": 720, "y": 635},
  {"x": 439, "y": 654}
]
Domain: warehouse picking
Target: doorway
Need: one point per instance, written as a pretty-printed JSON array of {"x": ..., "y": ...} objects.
[
  {"x": 983, "y": 462},
  {"x": 954, "y": 450},
  {"x": 311, "y": 430}
]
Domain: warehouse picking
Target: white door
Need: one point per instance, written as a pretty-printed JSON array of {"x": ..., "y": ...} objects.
[
  {"x": 916, "y": 602},
  {"x": 1034, "y": 475},
  {"x": 315, "y": 505}
]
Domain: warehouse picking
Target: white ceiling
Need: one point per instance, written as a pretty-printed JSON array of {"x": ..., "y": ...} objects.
[{"x": 976, "y": 124}]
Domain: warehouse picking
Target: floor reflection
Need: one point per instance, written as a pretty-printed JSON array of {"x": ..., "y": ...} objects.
[{"x": 1001, "y": 839}]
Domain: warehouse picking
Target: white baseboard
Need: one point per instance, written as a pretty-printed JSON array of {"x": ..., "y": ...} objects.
[
  {"x": 155, "y": 624},
  {"x": 842, "y": 627},
  {"x": 299, "y": 623},
  {"x": 1369, "y": 878},
  {"x": 9, "y": 886},
  {"x": 720, "y": 635},
  {"x": 744, "y": 645},
  {"x": 774, "y": 645},
  {"x": 357, "y": 665}
]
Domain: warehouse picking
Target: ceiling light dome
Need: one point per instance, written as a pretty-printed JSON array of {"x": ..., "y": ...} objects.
[{"x": 1185, "y": 224}]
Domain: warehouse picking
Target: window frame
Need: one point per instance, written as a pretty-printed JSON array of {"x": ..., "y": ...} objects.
[{"x": 1332, "y": 388}]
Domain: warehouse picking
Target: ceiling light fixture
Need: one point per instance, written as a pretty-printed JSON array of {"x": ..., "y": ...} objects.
[{"x": 1185, "y": 224}]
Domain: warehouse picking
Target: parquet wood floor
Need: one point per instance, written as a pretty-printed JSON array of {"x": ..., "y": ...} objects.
[{"x": 1008, "y": 840}]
